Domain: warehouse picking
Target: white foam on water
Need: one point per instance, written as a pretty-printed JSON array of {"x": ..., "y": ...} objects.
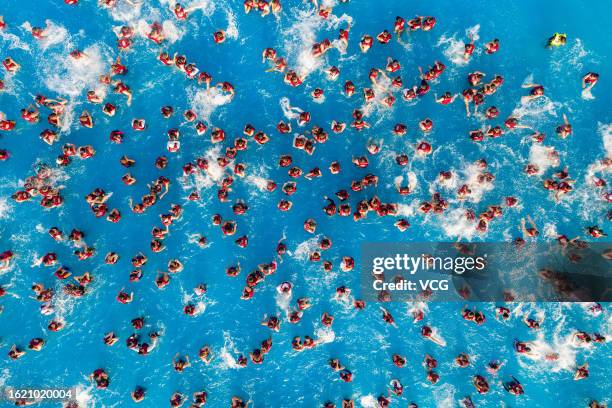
[
  {"x": 299, "y": 39},
  {"x": 125, "y": 11},
  {"x": 84, "y": 396},
  {"x": 397, "y": 181},
  {"x": 415, "y": 307},
  {"x": 454, "y": 49},
  {"x": 328, "y": 3},
  {"x": 572, "y": 58},
  {"x": 301, "y": 35},
  {"x": 543, "y": 156},
  {"x": 562, "y": 347},
  {"x": 471, "y": 173},
  {"x": 444, "y": 396},
  {"x": 205, "y": 101},
  {"x": 12, "y": 86},
  {"x": 474, "y": 32},
  {"x": 53, "y": 34},
  {"x": 535, "y": 111},
  {"x": 6, "y": 208},
  {"x": 303, "y": 250},
  {"x": 141, "y": 28},
  {"x": 283, "y": 301},
  {"x": 21, "y": 239},
  {"x": 605, "y": 130},
  {"x": 587, "y": 95},
  {"x": 200, "y": 306},
  {"x": 577, "y": 54},
  {"x": 259, "y": 182},
  {"x": 206, "y": 5},
  {"x": 227, "y": 353},
  {"x": 13, "y": 41},
  {"x": 456, "y": 225},
  {"x": 405, "y": 210},
  {"x": 324, "y": 335},
  {"x": 70, "y": 77},
  {"x": 172, "y": 32},
  {"x": 232, "y": 26},
  {"x": 412, "y": 180},
  {"x": 63, "y": 305},
  {"x": 208, "y": 178},
  {"x": 550, "y": 231},
  {"x": 58, "y": 175},
  {"x": 368, "y": 401},
  {"x": 6, "y": 375}
]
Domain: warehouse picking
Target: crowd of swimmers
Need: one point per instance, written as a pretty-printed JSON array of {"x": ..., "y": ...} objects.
[{"x": 385, "y": 83}]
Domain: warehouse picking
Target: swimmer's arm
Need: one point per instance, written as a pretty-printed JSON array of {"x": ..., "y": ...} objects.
[{"x": 192, "y": 8}]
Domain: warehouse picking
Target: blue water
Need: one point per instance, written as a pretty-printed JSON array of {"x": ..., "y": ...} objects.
[{"x": 361, "y": 340}]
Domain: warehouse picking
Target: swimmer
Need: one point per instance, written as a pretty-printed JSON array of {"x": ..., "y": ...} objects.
[
  {"x": 206, "y": 354},
  {"x": 101, "y": 378},
  {"x": 110, "y": 338},
  {"x": 596, "y": 232},
  {"x": 535, "y": 92},
  {"x": 502, "y": 313},
  {"x": 589, "y": 80},
  {"x": 523, "y": 347},
  {"x": 180, "y": 12},
  {"x": 468, "y": 49},
  {"x": 582, "y": 372},
  {"x": 138, "y": 394},
  {"x": 397, "y": 388},
  {"x": 492, "y": 47},
  {"x": 531, "y": 323},
  {"x": 564, "y": 130},
  {"x": 481, "y": 384},
  {"x": 387, "y": 318},
  {"x": 399, "y": 26},
  {"x": 238, "y": 403},
  {"x": 5, "y": 259},
  {"x": 327, "y": 319},
  {"x": 179, "y": 363},
  {"x": 474, "y": 78},
  {"x": 15, "y": 352},
  {"x": 462, "y": 360},
  {"x": 446, "y": 98},
  {"x": 124, "y": 297},
  {"x": 493, "y": 366},
  {"x": 514, "y": 387},
  {"x": 468, "y": 96},
  {"x": 398, "y": 360},
  {"x": 427, "y": 333},
  {"x": 556, "y": 40},
  {"x": 10, "y": 65},
  {"x": 177, "y": 399},
  {"x": 531, "y": 232},
  {"x": 5, "y": 124}
]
